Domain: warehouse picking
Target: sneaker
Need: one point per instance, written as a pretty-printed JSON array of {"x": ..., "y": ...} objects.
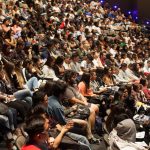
[{"x": 93, "y": 140}]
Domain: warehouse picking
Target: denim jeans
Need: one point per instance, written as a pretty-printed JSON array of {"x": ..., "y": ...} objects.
[
  {"x": 32, "y": 83},
  {"x": 4, "y": 127},
  {"x": 81, "y": 139},
  {"x": 25, "y": 95},
  {"x": 4, "y": 121}
]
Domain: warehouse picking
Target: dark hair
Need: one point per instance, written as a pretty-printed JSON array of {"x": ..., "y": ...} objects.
[
  {"x": 69, "y": 74},
  {"x": 135, "y": 87},
  {"x": 106, "y": 70},
  {"x": 8, "y": 34},
  {"x": 120, "y": 117},
  {"x": 134, "y": 67},
  {"x": 108, "y": 56},
  {"x": 39, "y": 110},
  {"x": 115, "y": 110},
  {"x": 59, "y": 60},
  {"x": 117, "y": 95},
  {"x": 59, "y": 88},
  {"x": 27, "y": 62},
  {"x": 35, "y": 59},
  {"x": 6, "y": 19},
  {"x": 49, "y": 61},
  {"x": 48, "y": 88},
  {"x": 35, "y": 48},
  {"x": 34, "y": 126},
  {"x": 74, "y": 55},
  {"x": 89, "y": 57},
  {"x": 122, "y": 88},
  {"x": 123, "y": 65},
  {"x": 143, "y": 81},
  {"x": 86, "y": 79},
  {"x": 38, "y": 97}
]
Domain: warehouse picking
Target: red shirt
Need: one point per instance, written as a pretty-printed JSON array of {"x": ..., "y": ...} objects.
[
  {"x": 146, "y": 92},
  {"x": 30, "y": 147}
]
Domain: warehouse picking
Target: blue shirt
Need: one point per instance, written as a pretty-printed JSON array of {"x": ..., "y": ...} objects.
[{"x": 56, "y": 110}]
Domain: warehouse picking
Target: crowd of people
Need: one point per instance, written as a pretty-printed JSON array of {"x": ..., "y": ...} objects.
[{"x": 66, "y": 64}]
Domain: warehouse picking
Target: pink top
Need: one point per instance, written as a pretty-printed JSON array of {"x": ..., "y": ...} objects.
[
  {"x": 83, "y": 90},
  {"x": 146, "y": 92}
]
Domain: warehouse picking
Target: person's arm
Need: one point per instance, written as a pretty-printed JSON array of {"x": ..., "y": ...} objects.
[
  {"x": 67, "y": 110},
  {"x": 3, "y": 97},
  {"x": 64, "y": 129},
  {"x": 71, "y": 97},
  {"x": 11, "y": 43},
  {"x": 75, "y": 100}
]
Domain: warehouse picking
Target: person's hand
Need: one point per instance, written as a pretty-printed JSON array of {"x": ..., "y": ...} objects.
[
  {"x": 85, "y": 103},
  {"x": 74, "y": 107},
  {"x": 68, "y": 126},
  {"x": 95, "y": 96},
  {"x": 51, "y": 141},
  {"x": 104, "y": 89},
  {"x": 11, "y": 97}
]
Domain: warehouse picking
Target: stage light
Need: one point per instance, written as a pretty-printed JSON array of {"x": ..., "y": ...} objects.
[
  {"x": 147, "y": 22},
  {"x": 102, "y": 1},
  {"x": 136, "y": 18},
  {"x": 115, "y": 7},
  {"x": 129, "y": 12}
]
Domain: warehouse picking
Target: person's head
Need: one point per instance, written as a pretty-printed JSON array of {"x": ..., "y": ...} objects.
[
  {"x": 40, "y": 110},
  {"x": 37, "y": 61},
  {"x": 124, "y": 66},
  {"x": 136, "y": 87},
  {"x": 28, "y": 64},
  {"x": 144, "y": 82},
  {"x": 123, "y": 55},
  {"x": 40, "y": 97},
  {"x": 48, "y": 88},
  {"x": 19, "y": 64},
  {"x": 70, "y": 77},
  {"x": 96, "y": 55},
  {"x": 20, "y": 45},
  {"x": 85, "y": 45},
  {"x": 67, "y": 59},
  {"x": 37, "y": 129},
  {"x": 75, "y": 57},
  {"x": 107, "y": 71},
  {"x": 118, "y": 96},
  {"x": 135, "y": 67},
  {"x": 89, "y": 58},
  {"x": 6, "y": 21},
  {"x": 9, "y": 34},
  {"x": 124, "y": 90},
  {"x": 125, "y": 127},
  {"x": 148, "y": 63},
  {"x": 109, "y": 56},
  {"x": 59, "y": 60},
  {"x": 50, "y": 61},
  {"x": 86, "y": 79},
  {"x": 59, "y": 89},
  {"x": 115, "y": 70},
  {"x": 93, "y": 75}
]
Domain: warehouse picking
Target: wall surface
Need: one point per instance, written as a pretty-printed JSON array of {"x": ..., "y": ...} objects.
[{"x": 142, "y": 7}]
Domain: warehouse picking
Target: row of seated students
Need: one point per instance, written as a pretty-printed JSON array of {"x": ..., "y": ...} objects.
[
  {"x": 66, "y": 68},
  {"x": 58, "y": 101}
]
